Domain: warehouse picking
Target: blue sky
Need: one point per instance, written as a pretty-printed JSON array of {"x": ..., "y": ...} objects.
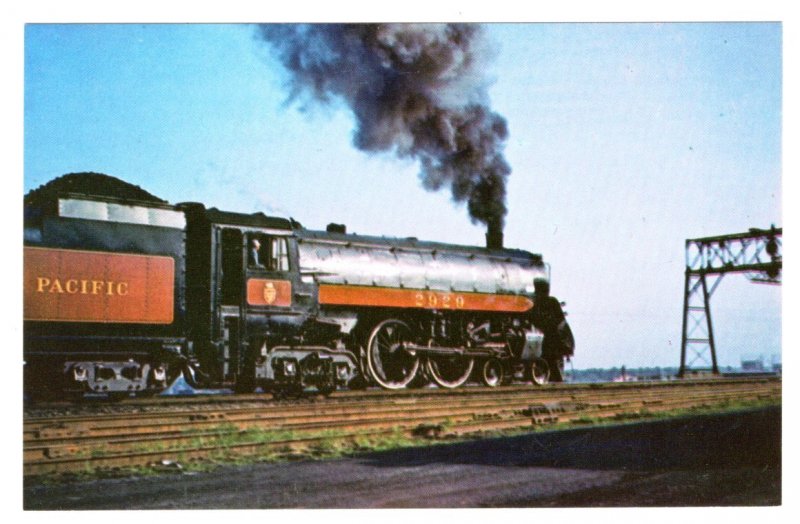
[{"x": 624, "y": 140}]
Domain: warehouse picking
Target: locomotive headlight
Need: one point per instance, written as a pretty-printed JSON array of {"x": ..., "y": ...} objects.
[{"x": 289, "y": 368}]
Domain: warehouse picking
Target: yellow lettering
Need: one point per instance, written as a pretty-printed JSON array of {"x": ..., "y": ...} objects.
[
  {"x": 459, "y": 301},
  {"x": 74, "y": 286},
  {"x": 446, "y": 301},
  {"x": 41, "y": 283},
  {"x": 420, "y": 299}
]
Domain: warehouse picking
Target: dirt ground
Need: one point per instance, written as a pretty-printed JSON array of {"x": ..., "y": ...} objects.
[{"x": 711, "y": 460}]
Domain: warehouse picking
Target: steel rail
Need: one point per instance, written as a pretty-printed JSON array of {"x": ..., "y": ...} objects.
[
  {"x": 106, "y": 426},
  {"x": 262, "y": 401},
  {"x": 166, "y": 422},
  {"x": 265, "y": 398}
]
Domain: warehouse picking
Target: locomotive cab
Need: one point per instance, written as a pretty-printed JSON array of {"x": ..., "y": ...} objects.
[{"x": 256, "y": 310}]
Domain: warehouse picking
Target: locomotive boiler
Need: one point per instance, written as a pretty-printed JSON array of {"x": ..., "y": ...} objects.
[{"x": 124, "y": 292}]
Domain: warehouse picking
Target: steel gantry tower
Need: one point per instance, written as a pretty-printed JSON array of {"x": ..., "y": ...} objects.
[{"x": 756, "y": 253}]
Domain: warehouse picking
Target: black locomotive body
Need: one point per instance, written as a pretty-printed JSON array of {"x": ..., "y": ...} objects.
[{"x": 125, "y": 292}]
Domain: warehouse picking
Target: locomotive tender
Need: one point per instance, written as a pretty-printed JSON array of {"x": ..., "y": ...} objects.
[{"x": 124, "y": 292}]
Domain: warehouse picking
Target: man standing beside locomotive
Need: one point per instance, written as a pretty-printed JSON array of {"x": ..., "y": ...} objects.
[{"x": 549, "y": 318}]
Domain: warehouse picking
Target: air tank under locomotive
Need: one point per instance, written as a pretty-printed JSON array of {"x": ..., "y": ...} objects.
[{"x": 125, "y": 292}]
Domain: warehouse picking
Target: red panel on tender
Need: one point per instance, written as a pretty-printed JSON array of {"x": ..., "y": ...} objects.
[{"x": 90, "y": 286}]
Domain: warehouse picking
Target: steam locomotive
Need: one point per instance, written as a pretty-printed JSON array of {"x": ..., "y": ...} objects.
[{"x": 124, "y": 292}]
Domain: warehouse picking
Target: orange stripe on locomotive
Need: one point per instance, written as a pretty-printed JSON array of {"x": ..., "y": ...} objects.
[{"x": 344, "y": 295}]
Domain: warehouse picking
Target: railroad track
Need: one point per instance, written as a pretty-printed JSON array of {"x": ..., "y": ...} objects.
[
  {"x": 58, "y": 444},
  {"x": 190, "y": 402}
]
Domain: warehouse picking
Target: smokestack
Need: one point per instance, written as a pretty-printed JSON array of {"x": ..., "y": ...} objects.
[
  {"x": 494, "y": 236},
  {"x": 417, "y": 91}
]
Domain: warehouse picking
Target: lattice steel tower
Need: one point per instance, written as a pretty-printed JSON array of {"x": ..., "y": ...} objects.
[{"x": 756, "y": 253}]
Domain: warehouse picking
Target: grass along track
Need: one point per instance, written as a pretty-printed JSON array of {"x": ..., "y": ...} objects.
[{"x": 83, "y": 443}]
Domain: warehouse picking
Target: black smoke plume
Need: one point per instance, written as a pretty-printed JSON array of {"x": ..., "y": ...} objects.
[{"x": 417, "y": 90}]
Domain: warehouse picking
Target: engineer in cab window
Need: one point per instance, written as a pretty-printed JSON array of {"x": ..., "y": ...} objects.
[{"x": 254, "y": 259}]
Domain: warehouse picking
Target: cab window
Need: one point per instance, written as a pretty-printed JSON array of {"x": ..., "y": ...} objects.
[
  {"x": 279, "y": 254},
  {"x": 270, "y": 253}
]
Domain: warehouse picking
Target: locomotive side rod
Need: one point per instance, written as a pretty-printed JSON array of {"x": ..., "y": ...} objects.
[{"x": 481, "y": 351}]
